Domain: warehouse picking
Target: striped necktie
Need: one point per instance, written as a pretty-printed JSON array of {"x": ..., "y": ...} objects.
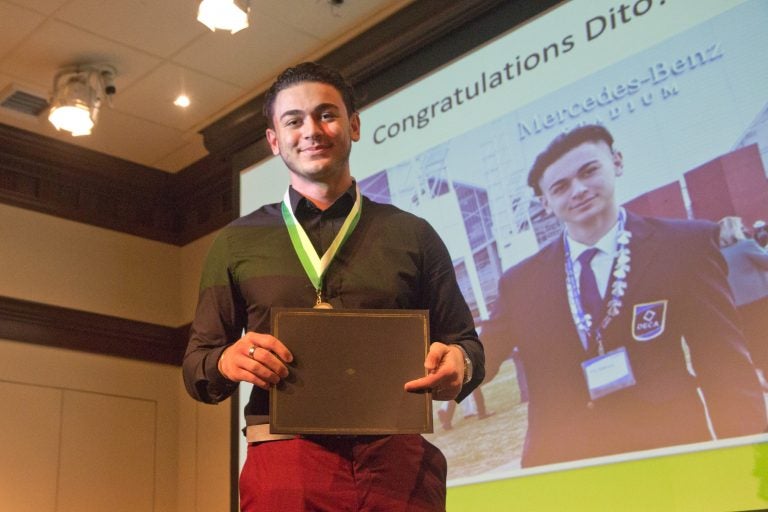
[{"x": 591, "y": 301}]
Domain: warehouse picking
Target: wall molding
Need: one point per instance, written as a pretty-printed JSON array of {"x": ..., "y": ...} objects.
[
  {"x": 59, "y": 327},
  {"x": 49, "y": 176}
]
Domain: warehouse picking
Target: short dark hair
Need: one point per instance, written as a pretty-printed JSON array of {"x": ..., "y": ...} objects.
[
  {"x": 308, "y": 72},
  {"x": 561, "y": 145}
]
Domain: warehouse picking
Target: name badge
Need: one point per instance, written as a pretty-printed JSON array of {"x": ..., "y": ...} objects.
[{"x": 608, "y": 373}]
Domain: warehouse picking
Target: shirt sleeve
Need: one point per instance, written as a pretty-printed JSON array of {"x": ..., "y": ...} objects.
[
  {"x": 449, "y": 316},
  {"x": 219, "y": 321}
]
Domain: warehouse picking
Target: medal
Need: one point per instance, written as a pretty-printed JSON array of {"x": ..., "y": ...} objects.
[{"x": 319, "y": 304}]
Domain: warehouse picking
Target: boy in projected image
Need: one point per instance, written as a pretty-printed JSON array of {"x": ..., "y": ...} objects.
[
  {"x": 625, "y": 324},
  {"x": 377, "y": 257}
]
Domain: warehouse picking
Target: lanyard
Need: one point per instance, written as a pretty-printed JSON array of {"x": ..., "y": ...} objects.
[
  {"x": 588, "y": 328},
  {"x": 314, "y": 265}
]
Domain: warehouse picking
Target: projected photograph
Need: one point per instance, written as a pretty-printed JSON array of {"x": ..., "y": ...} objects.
[{"x": 689, "y": 116}]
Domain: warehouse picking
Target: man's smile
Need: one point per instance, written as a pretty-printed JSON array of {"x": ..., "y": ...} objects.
[
  {"x": 315, "y": 149},
  {"x": 583, "y": 204}
]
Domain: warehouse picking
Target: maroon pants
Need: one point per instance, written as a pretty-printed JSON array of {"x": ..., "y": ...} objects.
[{"x": 401, "y": 473}]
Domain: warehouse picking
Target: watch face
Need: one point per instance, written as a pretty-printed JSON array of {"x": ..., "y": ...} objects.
[{"x": 467, "y": 369}]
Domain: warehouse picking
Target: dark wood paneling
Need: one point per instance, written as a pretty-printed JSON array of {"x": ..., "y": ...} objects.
[
  {"x": 205, "y": 196},
  {"x": 59, "y": 327},
  {"x": 52, "y": 177},
  {"x": 60, "y": 179}
]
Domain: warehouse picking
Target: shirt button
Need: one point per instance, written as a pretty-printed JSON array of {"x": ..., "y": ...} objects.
[{"x": 590, "y": 405}]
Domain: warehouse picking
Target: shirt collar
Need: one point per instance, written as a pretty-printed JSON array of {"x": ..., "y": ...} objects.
[
  {"x": 300, "y": 204},
  {"x": 606, "y": 244}
]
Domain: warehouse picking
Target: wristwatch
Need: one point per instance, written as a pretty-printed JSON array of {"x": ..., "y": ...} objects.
[{"x": 467, "y": 366}]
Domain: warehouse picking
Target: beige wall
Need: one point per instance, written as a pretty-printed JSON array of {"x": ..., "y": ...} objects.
[
  {"x": 84, "y": 432},
  {"x": 64, "y": 263}
]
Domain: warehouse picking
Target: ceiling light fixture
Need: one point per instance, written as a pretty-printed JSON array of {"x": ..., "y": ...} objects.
[
  {"x": 182, "y": 100},
  {"x": 229, "y": 15},
  {"x": 78, "y": 94}
]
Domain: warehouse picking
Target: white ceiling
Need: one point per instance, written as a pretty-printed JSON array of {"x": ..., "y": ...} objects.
[{"x": 161, "y": 50}]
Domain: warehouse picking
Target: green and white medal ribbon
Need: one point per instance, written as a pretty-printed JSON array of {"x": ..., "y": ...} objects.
[{"x": 314, "y": 265}]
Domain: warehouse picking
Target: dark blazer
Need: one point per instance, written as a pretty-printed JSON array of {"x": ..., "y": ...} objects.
[{"x": 674, "y": 261}]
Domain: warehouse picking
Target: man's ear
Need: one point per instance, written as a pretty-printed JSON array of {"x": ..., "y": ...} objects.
[
  {"x": 543, "y": 200},
  {"x": 618, "y": 163},
  {"x": 273, "y": 142},
  {"x": 354, "y": 125}
]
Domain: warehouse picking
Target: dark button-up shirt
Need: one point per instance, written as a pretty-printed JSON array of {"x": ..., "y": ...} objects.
[{"x": 393, "y": 260}]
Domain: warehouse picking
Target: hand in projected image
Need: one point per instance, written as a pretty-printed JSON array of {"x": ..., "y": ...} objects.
[{"x": 256, "y": 358}]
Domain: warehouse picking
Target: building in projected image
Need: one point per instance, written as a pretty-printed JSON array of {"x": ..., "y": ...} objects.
[
  {"x": 487, "y": 229},
  {"x": 459, "y": 211},
  {"x": 757, "y": 133}
]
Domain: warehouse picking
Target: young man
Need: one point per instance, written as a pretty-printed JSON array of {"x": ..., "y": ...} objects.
[
  {"x": 388, "y": 259},
  {"x": 621, "y": 321}
]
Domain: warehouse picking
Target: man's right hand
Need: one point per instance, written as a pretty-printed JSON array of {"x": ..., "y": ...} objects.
[{"x": 256, "y": 358}]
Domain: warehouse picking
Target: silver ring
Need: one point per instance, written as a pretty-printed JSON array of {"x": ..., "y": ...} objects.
[{"x": 251, "y": 351}]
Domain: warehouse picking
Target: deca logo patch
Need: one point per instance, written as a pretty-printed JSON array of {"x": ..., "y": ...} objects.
[{"x": 648, "y": 320}]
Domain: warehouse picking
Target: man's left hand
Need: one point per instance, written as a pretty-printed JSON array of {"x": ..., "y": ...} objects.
[{"x": 445, "y": 368}]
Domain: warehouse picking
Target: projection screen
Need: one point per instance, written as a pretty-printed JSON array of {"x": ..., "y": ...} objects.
[{"x": 682, "y": 87}]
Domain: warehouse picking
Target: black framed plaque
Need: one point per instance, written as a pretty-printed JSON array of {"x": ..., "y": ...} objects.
[{"x": 348, "y": 372}]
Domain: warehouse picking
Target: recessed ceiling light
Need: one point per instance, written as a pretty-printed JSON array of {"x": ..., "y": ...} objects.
[{"x": 182, "y": 100}]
